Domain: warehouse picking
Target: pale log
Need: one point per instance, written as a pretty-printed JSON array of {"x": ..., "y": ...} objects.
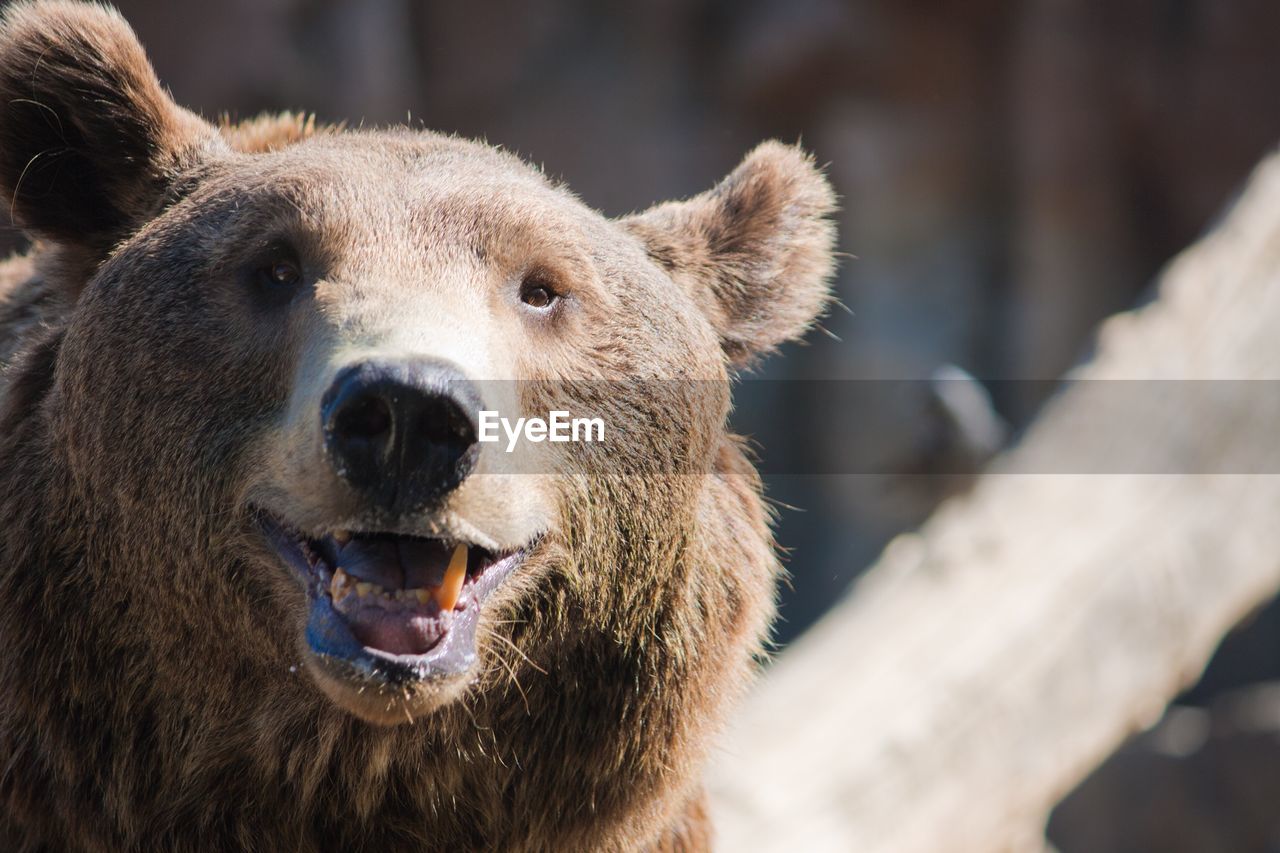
[{"x": 988, "y": 662}]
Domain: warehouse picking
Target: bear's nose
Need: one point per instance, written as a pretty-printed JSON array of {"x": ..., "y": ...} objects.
[{"x": 403, "y": 433}]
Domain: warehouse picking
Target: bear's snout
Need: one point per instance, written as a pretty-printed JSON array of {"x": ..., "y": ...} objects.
[{"x": 401, "y": 433}]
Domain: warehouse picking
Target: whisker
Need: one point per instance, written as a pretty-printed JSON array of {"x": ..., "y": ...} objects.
[{"x": 520, "y": 652}]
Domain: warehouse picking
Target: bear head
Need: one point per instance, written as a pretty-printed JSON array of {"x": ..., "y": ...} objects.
[{"x": 249, "y": 433}]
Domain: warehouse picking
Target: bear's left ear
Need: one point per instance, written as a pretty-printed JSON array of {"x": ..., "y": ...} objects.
[
  {"x": 756, "y": 252},
  {"x": 89, "y": 140}
]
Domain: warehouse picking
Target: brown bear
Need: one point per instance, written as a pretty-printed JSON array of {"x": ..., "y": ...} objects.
[{"x": 264, "y": 585}]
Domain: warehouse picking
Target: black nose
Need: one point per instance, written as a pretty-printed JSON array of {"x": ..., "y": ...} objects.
[{"x": 403, "y": 433}]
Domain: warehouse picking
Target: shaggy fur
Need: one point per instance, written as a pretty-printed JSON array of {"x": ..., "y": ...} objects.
[{"x": 153, "y": 695}]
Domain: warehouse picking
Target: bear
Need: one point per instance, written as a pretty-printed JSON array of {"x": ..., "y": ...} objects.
[{"x": 264, "y": 587}]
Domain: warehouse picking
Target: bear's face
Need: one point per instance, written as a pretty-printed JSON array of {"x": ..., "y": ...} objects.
[
  {"x": 270, "y": 375},
  {"x": 370, "y": 266}
]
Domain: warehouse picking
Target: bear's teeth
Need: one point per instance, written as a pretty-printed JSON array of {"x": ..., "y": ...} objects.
[
  {"x": 447, "y": 593},
  {"x": 338, "y": 586},
  {"x": 417, "y": 595},
  {"x": 342, "y": 537},
  {"x": 342, "y": 584}
]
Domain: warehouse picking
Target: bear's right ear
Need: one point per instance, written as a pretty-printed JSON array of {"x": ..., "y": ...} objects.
[{"x": 89, "y": 141}]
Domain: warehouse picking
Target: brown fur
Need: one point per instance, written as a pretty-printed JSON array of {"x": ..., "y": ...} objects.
[{"x": 151, "y": 696}]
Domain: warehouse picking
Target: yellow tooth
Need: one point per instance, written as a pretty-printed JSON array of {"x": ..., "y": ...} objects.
[
  {"x": 447, "y": 593},
  {"x": 337, "y": 586},
  {"x": 423, "y": 595},
  {"x": 363, "y": 588},
  {"x": 342, "y": 537}
]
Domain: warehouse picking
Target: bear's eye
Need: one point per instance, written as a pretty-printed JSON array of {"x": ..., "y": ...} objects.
[
  {"x": 536, "y": 291},
  {"x": 285, "y": 273},
  {"x": 275, "y": 276}
]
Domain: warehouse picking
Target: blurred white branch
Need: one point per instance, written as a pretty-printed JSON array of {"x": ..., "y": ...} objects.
[{"x": 987, "y": 663}]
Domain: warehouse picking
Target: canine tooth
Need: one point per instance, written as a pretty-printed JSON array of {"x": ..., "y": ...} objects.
[
  {"x": 363, "y": 588},
  {"x": 447, "y": 593},
  {"x": 342, "y": 537},
  {"x": 338, "y": 584}
]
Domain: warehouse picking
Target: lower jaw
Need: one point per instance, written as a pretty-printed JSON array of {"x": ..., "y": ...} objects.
[
  {"x": 379, "y": 702},
  {"x": 380, "y": 687},
  {"x": 380, "y": 705},
  {"x": 384, "y": 688}
]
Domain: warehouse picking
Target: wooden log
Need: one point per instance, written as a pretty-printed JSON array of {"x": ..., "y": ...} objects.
[{"x": 988, "y": 662}]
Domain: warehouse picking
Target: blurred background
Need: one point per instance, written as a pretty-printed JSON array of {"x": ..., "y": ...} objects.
[{"x": 1010, "y": 174}]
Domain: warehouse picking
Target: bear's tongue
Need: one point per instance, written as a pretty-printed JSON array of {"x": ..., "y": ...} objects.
[
  {"x": 397, "y": 594},
  {"x": 398, "y": 634}
]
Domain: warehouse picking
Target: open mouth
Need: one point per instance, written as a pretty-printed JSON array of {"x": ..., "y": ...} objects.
[{"x": 390, "y": 607}]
